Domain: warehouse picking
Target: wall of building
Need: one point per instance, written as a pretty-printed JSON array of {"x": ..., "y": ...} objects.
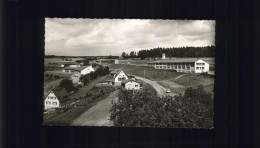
[
  {"x": 51, "y": 101},
  {"x": 179, "y": 67},
  {"x": 131, "y": 85},
  {"x": 201, "y": 66}
]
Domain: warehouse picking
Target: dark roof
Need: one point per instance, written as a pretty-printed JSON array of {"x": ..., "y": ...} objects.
[
  {"x": 128, "y": 80},
  {"x": 119, "y": 72},
  {"x": 76, "y": 68},
  {"x": 177, "y": 60}
]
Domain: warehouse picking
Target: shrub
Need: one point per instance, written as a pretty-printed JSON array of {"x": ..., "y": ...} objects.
[
  {"x": 56, "y": 76},
  {"x": 68, "y": 85}
]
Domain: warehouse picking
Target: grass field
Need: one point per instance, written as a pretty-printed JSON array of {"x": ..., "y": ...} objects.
[
  {"x": 150, "y": 72},
  {"x": 189, "y": 80}
]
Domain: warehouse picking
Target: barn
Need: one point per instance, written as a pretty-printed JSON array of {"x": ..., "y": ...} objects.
[{"x": 186, "y": 65}]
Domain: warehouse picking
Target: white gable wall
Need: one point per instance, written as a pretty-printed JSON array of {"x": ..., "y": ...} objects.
[
  {"x": 121, "y": 75},
  {"x": 51, "y": 101},
  {"x": 201, "y": 66}
]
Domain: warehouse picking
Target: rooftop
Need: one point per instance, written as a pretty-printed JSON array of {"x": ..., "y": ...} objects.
[
  {"x": 177, "y": 60},
  {"x": 76, "y": 68}
]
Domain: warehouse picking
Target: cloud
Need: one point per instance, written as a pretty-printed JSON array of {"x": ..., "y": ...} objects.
[{"x": 91, "y": 37}]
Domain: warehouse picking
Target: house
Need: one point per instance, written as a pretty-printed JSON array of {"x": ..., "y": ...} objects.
[
  {"x": 116, "y": 61},
  {"x": 51, "y": 101},
  {"x": 130, "y": 84},
  {"x": 75, "y": 78},
  {"x": 186, "y": 65},
  {"x": 119, "y": 77},
  {"x": 83, "y": 70}
]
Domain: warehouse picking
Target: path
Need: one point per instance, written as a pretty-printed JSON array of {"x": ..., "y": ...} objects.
[
  {"x": 180, "y": 76},
  {"x": 97, "y": 115},
  {"x": 159, "y": 88}
]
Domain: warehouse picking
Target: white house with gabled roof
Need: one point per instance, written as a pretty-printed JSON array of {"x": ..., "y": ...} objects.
[
  {"x": 51, "y": 101},
  {"x": 119, "y": 77}
]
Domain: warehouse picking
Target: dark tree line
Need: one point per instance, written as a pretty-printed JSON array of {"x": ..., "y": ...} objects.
[
  {"x": 193, "y": 109},
  {"x": 207, "y": 51},
  {"x": 101, "y": 71}
]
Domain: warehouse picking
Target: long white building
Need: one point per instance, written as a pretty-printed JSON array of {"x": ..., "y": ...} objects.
[{"x": 182, "y": 65}]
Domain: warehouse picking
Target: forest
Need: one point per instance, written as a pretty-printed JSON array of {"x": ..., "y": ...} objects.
[{"x": 207, "y": 51}]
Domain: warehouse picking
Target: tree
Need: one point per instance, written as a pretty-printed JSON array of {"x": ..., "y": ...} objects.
[
  {"x": 123, "y": 55},
  {"x": 193, "y": 109},
  {"x": 86, "y": 62},
  {"x": 132, "y": 54},
  {"x": 68, "y": 85}
]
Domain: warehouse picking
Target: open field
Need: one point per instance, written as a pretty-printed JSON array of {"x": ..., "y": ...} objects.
[
  {"x": 188, "y": 80},
  {"x": 150, "y": 73}
]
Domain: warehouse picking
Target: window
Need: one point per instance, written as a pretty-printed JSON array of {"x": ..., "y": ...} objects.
[
  {"x": 136, "y": 85},
  {"x": 203, "y": 63},
  {"x": 54, "y": 103},
  {"x": 197, "y": 68},
  {"x": 48, "y": 102},
  {"x": 197, "y": 63},
  {"x": 203, "y": 68}
]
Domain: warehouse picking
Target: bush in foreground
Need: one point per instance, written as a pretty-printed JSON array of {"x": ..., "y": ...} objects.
[{"x": 193, "y": 109}]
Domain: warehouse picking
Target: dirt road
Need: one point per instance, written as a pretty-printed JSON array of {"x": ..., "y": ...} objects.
[
  {"x": 97, "y": 115},
  {"x": 159, "y": 88}
]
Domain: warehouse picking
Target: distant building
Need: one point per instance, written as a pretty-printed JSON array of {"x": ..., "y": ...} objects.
[
  {"x": 163, "y": 56},
  {"x": 186, "y": 65},
  {"x": 83, "y": 70},
  {"x": 119, "y": 77},
  {"x": 51, "y": 101},
  {"x": 130, "y": 84},
  {"x": 116, "y": 61},
  {"x": 64, "y": 64},
  {"x": 75, "y": 78},
  {"x": 106, "y": 61}
]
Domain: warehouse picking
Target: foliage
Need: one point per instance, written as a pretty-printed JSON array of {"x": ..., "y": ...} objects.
[
  {"x": 208, "y": 51},
  {"x": 68, "y": 85},
  {"x": 101, "y": 71},
  {"x": 193, "y": 109},
  {"x": 56, "y": 76}
]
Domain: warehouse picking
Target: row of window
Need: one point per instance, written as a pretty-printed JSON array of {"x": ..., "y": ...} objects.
[
  {"x": 173, "y": 64},
  {"x": 175, "y": 67},
  {"x": 200, "y": 63},
  {"x": 54, "y": 98},
  {"x": 53, "y": 103},
  {"x": 198, "y": 68}
]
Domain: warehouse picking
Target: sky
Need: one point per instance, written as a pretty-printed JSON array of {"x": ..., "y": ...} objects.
[{"x": 103, "y": 37}]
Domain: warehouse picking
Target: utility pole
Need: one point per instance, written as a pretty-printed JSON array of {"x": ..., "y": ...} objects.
[{"x": 144, "y": 73}]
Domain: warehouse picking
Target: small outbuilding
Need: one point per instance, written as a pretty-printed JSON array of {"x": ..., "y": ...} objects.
[
  {"x": 116, "y": 61},
  {"x": 130, "y": 84}
]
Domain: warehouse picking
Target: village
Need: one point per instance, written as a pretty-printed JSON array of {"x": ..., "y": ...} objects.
[{"x": 88, "y": 102}]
